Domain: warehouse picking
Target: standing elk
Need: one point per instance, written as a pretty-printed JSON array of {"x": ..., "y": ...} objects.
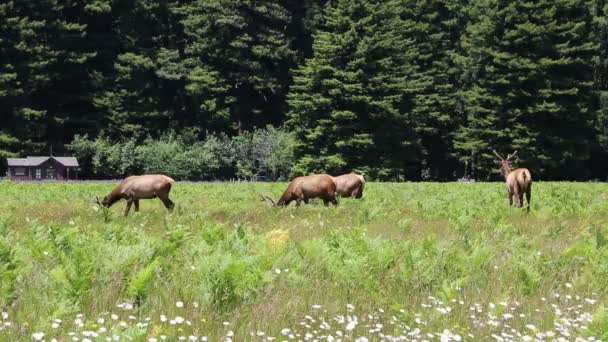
[
  {"x": 518, "y": 181},
  {"x": 306, "y": 187},
  {"x": 350, "y": 185},
  {"x": 134, "y": 188}
]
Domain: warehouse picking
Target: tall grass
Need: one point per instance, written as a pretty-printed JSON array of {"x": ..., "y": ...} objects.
[{"x": 231, "y": 258}]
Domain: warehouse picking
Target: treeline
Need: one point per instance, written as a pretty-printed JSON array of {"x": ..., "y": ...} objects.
[
  {"x": 400, "y": 89},
  {"x": 263, "y": 154}
]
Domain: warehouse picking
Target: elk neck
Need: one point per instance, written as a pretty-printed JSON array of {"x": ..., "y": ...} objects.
[
  {"x": 506, "y": 169},
  {"x": 113, "y": 197}
]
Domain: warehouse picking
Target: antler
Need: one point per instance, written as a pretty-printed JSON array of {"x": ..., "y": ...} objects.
[
  {"x": 266, "y": 198},
  {"x": 96, "y": 200},
  {"x": 509, "y": 156},
  {"x": 498, "y": 155}
]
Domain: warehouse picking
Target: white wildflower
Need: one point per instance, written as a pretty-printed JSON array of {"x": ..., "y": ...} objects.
[
  {"x": 38, "y": 336},
  {"x": 179, "y": 304}
]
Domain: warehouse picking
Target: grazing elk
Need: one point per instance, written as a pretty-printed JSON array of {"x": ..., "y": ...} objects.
[
  {"x": 135, "y": 188},
  {"x": 350, "y": 185},
  {"x": 306, "y": 187},
  {"x": 518, "y": 181}
]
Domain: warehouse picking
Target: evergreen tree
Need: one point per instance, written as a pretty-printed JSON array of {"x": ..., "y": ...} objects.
[
  {"x": 528, "y": 76},
  {"x": 431, "y": 29},
  {"x": 600, "y": 35},
  {"x": 346, "y": 101},
  {"x": 142, "y": 90},
  {"x": 240, "y": 51},
  {"x": 44, "y": 60}
]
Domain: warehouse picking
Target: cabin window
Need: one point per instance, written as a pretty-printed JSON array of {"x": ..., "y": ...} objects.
[
  {"x": 38, "y": 174},
  {"x": 19, "y": 171}
]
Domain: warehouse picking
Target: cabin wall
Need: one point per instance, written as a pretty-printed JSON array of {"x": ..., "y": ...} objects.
[
  {"x": 12, "y": 170},
  {"x": 51, "y": 170}
]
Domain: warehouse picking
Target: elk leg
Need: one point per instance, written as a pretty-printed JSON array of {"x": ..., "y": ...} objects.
[
  {"x": 510, "y": 199},
  {"x": 136, "y": 202},
  {"x": 298, "y": 202},
  {"x": 129, "y": 202},
  {"x": 167, "y": 202},
  {"x": 529, "y": 195},
  {"x": 521, "y": 199},
  {"x": 306, "y": 200},
  {"x": 325, "y": 202}
]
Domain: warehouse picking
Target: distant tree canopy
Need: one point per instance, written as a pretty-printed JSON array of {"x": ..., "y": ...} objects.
[{"x": 400, "y": 89}]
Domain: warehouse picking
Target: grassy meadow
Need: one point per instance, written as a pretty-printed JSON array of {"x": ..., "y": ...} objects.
[{"x": 411, "y": 261}]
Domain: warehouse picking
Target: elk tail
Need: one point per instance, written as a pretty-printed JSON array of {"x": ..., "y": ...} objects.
[
  {"x": 171, "y": 180},
  {"x": 266, "y": 198}
]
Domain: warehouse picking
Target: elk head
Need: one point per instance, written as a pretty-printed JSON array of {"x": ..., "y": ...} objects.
[
  {"x": 505, "y": 164},
  {"x": 102, "y": 203}
]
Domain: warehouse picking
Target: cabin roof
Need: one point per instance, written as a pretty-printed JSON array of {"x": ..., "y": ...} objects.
[{"x": 37, "y": 160}]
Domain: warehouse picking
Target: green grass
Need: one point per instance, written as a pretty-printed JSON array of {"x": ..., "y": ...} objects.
[{"x": 219, "y": 252}]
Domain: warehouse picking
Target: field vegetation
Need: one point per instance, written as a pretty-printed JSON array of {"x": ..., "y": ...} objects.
[{"x": 433, "y": 261}]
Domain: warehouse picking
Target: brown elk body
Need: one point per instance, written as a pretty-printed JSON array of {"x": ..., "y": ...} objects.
[
  {"x": 134, "y": 188},
  {"x": 518, "y": 181},
  {"x": 350, "y": 185},
  {"x": 307, "y": 187}
]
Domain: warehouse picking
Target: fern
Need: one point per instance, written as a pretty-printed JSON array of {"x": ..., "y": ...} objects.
[{"x": 140, "y": 281}]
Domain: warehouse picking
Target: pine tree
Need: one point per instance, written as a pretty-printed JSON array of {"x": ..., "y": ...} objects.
[
  {"x": 44, "y": 61},
  {"x": 431, "y": 28},
  {"x": 141, "y": 81},
  {"x": 241, "y": 51},
  {"x": 346, "y": 101},
  {"x": 600, "y": 35},
  {"x": 528, "y": 75}
]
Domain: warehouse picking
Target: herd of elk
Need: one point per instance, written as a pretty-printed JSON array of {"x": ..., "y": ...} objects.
[
  {"x": 518, "y": 181},
  {"x": 323, "y": 186},
  {"x": 134, "y": 188}
]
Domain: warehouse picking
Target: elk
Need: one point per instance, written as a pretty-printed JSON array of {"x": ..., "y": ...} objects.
[
  {"x": 134, "y": 188},
  {"x": 518, "y": 181},
  {"x": 350, "y": 185},
  {"x": 306, "y": 187}
]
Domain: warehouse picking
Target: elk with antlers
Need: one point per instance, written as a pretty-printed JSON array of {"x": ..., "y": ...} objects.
[
  {"x": 306, "y": 187},
  {"x": 518, "y": 181},
  {"x": 135, "y": 188}
]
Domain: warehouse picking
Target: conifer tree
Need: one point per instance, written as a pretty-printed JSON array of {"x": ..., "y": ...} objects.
[
  {"x": 431, "y": 29},
  {"x": 241, "y": 50},
  {"x": 43, "y": 74},
  {"x": 528, "y": 75},
  {"x": 346, "y": 101}
]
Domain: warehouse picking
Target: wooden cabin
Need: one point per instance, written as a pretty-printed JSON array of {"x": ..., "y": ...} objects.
[{"x": 42, "y": 168}]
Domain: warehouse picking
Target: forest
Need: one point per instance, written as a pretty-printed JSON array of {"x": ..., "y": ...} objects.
[{"x": 219, "y": 89}]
